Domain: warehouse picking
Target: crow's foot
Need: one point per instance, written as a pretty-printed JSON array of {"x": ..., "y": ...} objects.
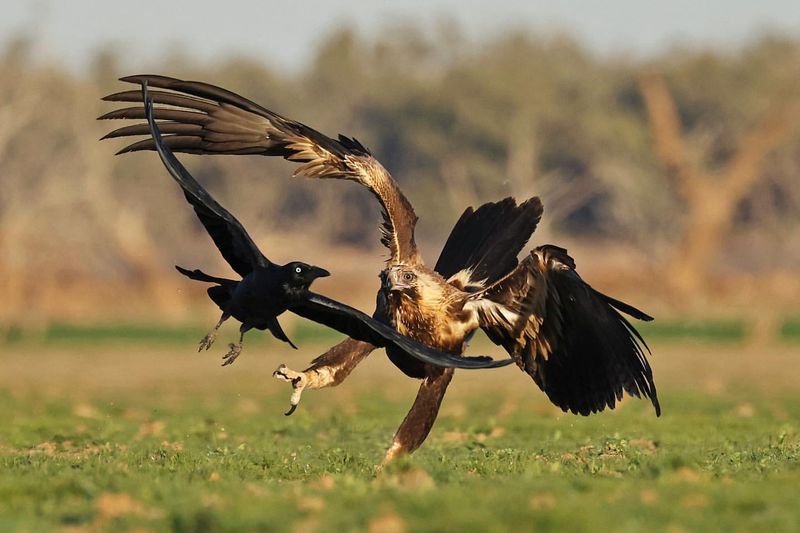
[
  {"x": 299, "y": 380},
  {"x": 207, "y": 341},
  {"x": 233, "y": 353}
]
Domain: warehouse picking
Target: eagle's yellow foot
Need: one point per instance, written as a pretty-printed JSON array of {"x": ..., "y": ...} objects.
[
  {"x": 233, "y": 353},
  {"x": 207, "y": 341},
  {"x": 299, "y": 380}
]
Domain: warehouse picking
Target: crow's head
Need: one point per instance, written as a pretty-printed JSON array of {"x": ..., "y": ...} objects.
[{"x": 301, "y": 275}]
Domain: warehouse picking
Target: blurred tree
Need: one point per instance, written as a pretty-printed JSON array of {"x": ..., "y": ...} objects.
[
  {"x": 711, "y": 196},
  {"x": 457, "y": 123}
]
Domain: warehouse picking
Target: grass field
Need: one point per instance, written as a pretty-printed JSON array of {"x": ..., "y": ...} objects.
[{"x": 128, "y": 434}]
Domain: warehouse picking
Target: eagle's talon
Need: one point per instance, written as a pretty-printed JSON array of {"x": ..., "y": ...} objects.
[{"x": 298, "y": 380}]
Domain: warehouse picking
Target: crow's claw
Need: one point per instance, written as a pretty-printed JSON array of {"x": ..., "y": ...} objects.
[
  {"x": 207, "y": 341},
  {"x": 233, "y": 353}
]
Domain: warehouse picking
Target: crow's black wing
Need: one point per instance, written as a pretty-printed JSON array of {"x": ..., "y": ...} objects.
[
  {"x": 359, "y": 326},
  {"x": 570, "y": 338},
  {"x": 228, "y": 234}
]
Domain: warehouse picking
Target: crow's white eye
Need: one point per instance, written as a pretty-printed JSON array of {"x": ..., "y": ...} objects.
[
  {"x": 408, "y": 276},
  {"x": 298, "y": 269}
]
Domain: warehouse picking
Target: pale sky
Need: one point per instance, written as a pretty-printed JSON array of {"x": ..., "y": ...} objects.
[{"x": 283, "y": 33}]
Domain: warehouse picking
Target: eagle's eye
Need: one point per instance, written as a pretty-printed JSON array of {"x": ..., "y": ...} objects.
[
  {"x": 408, "y": 277},
  {"x": 298, "y": 269}
]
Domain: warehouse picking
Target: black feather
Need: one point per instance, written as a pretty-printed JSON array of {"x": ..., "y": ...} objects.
[
  {"x": 199, "y": 275},
  {"x": 219, "y": 295},
  {"x": 488, "y": 239},
  {"x": 576, "y": 345},
  {"x": 625, "y": 308},
  {"x": 600, "y": 354}
]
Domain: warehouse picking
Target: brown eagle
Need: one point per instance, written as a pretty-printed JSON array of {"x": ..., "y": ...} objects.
[{"x": 571, "y": 339}]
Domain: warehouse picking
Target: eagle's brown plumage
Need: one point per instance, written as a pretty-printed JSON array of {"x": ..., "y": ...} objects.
[{"x": 571, "y": 339}]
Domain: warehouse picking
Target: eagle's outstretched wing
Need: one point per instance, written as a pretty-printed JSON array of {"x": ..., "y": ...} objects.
[
  {"x": 204, "y": 119},
  {"x": 232, "y": 240},
  {"x": 570, "y": 338},
  {"x": 359, "y": 326},
  {"x": 484, "y": 244}
]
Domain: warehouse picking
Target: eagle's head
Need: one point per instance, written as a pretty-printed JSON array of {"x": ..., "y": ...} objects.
[
  {"x": 418, "y": 284},
  {"x": 400, "y": 278},
  {"x": 422, "y": 304}
]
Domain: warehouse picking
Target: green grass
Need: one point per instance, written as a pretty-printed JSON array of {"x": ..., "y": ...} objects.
[
  {"x": 695, "y": 330},
  {"x": 790, "y": 330},
  {"x": 707, "y": 330},
  {"x": 228, "y": 461},
  {"x": 109, "y": 434},
  {"x": 59, "y": 334}
]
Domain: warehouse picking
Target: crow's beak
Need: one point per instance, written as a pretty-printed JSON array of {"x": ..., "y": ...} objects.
[{"x": 317, "y": 272}]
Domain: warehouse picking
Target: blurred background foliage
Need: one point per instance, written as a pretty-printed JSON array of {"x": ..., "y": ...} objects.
[{"x": 85, "y": 235}]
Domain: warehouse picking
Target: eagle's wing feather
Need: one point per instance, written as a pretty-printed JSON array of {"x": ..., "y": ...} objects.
[
  {"x": 484, "y": 243},
  {"x": 230, "y": 237},
  {"x": 570, "y": 338},
  {"x": 204, "y": 119},
  {"x": 359, "y": 326}
]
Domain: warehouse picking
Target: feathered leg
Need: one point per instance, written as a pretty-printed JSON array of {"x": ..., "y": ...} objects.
[
  {"x": 327, "y": 370},
  {"x": 418, "y": 422}
]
